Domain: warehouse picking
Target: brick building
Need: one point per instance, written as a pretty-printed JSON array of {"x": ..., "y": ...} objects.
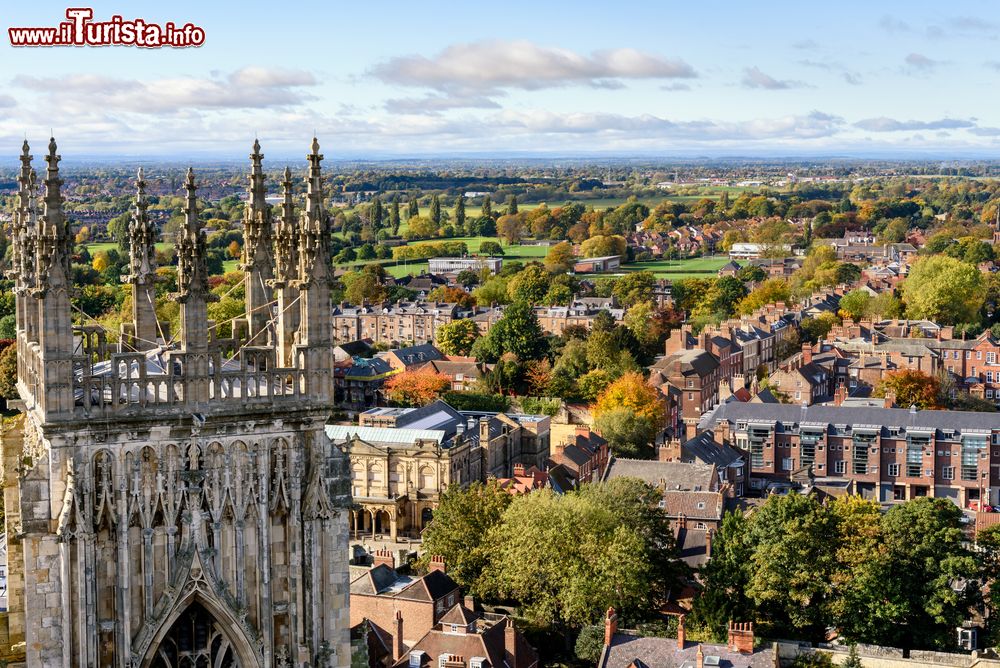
[
  {"x": 886, "y": 454},
  {"x": 695, "y": 375}
]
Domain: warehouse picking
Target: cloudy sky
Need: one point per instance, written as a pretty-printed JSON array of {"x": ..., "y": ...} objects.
[{"x": 385, "y": 78}]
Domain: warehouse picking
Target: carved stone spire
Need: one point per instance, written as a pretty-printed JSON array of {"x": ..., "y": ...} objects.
[
  {"x": 55, "y": 326},
  {"x": 286, "y": 252},
  {"x": 55, "y": 243},
  {"x": 192, "y": 274},
  {"x": 19, "y": 228},
  {"x": 142, "y": 235},
  {"x": 314, "y": 283},
  {"x": 258, "y": 258}
]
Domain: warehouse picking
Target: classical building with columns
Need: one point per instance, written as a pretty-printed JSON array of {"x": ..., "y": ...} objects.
[{"x": 173, "y": 499}]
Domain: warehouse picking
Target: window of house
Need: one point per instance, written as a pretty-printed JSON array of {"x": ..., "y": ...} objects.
[
  {"x": 989, "y": 394},
  {"x": 700, "y": 525},
  {"x": 840, "y": 466},
  {"x": 979, "y": 354},
  {"x": 893, "y": 470},
  {"x": 991, "y": 358},
  {"x": 948, "y": 472}
]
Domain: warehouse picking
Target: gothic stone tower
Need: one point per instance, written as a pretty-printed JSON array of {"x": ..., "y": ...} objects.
[{"x": 176, "y": 501}]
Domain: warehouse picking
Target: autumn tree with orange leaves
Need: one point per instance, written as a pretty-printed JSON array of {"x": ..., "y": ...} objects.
[
  {"x": 416, "y": 388},
  {"x": 911, "y": 388}
]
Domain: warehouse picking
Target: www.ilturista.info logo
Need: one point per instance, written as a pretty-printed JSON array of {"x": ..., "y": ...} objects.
[{"x": 81, "y": 30}]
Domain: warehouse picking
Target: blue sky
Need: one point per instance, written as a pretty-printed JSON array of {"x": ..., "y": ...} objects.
[{"x": 384, "y": 79}]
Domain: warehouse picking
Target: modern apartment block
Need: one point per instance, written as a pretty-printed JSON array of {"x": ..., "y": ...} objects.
[{"x": 886, "y": 454}]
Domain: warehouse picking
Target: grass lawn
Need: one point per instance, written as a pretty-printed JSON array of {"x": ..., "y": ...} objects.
[
  {"x": 104, "y": 246},
  {"x": 699, "y": 267},
  {"x": 410, "y": 268}
]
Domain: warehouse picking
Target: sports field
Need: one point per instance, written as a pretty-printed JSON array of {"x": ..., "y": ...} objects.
[{"x": 697, "y": 267}]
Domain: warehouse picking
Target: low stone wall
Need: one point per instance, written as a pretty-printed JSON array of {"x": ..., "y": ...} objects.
[{"x": 873, "y": 656}]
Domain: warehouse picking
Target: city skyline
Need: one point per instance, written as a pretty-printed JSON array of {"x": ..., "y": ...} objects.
[{"x": 550, "y": 81}]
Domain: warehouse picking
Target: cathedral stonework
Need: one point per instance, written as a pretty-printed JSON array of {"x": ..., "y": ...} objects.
[{"x": 172, "y": 498}]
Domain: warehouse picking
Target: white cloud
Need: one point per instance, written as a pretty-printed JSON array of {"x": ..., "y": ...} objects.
[
  {"x": 885, "y": 124},
  {"x": 754, "y": 78},
  {"x": 246, "y": 88},
  {"x": 491, "y": 66},
  {"x": 435, "y": 104},
  {"x": 919, "y": 61}
]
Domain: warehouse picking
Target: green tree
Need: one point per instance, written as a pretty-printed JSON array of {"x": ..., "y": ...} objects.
[
  {"x": 413, "y": 208},
  {"x": 8, "y": 326},
  {"x": 590, "y": 643},
  {"x": 491, "y": 248},
  {"x": 856, "y": 304},
  {"x": 726, "y": 578},
  {"x": 634, "y": 287},
  {"x": 361, "y": 287},
  {"x": 435, "y": 213},
  {"x": 529, "y": 285},
  {"x": 560, "y": 258},
  {"x": 924, "y": 539},
  {"x": 463, "y": 519},
  {"x": 487, "y": 209},
  {"x": 628, "y": 434},
  {"x": 512, "y": 205},
  {"x": 770, "y": 291},
  {"x": 792, "y": 563},
  {"x": 944, "y": 289},
  {"x": 394, "y": 216},
  {"x": 375, "y": 213},
  {"x": 852, "y": 660},
  {"x": 8, "y": 372},
  {"x": 457, "y": 337},
  {"x": 460, "y": 222},
  {"x": 814, "y": 329},
  {"x": 568, "y": 558},
  {"x": 518, "y": 332}
]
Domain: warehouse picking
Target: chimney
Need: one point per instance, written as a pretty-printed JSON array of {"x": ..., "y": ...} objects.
[
  {"x": 610, "y": 626},
  {"x": 741, "y": 637},
  {"x": 890, "y": 399},
  {"x": 383, "y": 557},
  {"x": 682, "y": 521},
  {"x": 518, "y": 470},
  {"x": 582, "y": 430},
  {"x": 437, "y": 564},
  {"x": 708, "y": 543},
  {"x": 669, "y": 451},
  {"x": 680, "y": 632},
  {"x": 470, "y": 601},
  {"x": 807, "y": 354},
  {"x": 839, "y": 395},
  {"x": 397, "y": 641},
  {"x": 484, "y": 431},
  {"x": 699, "y": 658},
  {"x": 510, "y": 643}
]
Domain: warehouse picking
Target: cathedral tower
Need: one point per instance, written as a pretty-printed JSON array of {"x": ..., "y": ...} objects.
[
  {"x": 258, "y": 253},
  {"x": 178, "y": 503}
]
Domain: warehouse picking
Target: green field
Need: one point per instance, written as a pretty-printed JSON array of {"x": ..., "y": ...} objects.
[
  {"x": 410, "y": 268},
  {"x": 104, "y": 246},
  {"x": 698, "y": 267}
]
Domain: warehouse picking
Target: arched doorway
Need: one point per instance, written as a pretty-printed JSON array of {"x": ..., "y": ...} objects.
[
  {"x": 426, "y": 515},
  {"x": 195, "y": 641},
  {"x": 381, "y": 523}
]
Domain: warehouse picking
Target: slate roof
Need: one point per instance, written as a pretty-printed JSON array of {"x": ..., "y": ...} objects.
[
  {"x": 704, "y": 449},
  {"x": 663, "y": 653},
  {"x": 694, "y": 361},
  {"x": 671, "y": 475},
  {"x": 856, "y": 415}
]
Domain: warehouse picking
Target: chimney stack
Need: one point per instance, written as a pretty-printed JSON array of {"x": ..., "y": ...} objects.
[
  {"x": 708, "y": 543},
  {"x": 700, "y": 657},
  {"x": 890, "y": 399},
  {"x": 510, "y": 643},
  {"x": 807, "y": 354},
  {"x": 610, "y": 626},
  {"x": 741, "y": 637},
  {"x": 839, "y": 395},
  {"x": 681, "y": 635},
  {"x": 397, "y": 641},
  {"x": 437, "y": 564},
  {"x": 518, "y": 470},
  {"x": 383, "y": 557}
]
